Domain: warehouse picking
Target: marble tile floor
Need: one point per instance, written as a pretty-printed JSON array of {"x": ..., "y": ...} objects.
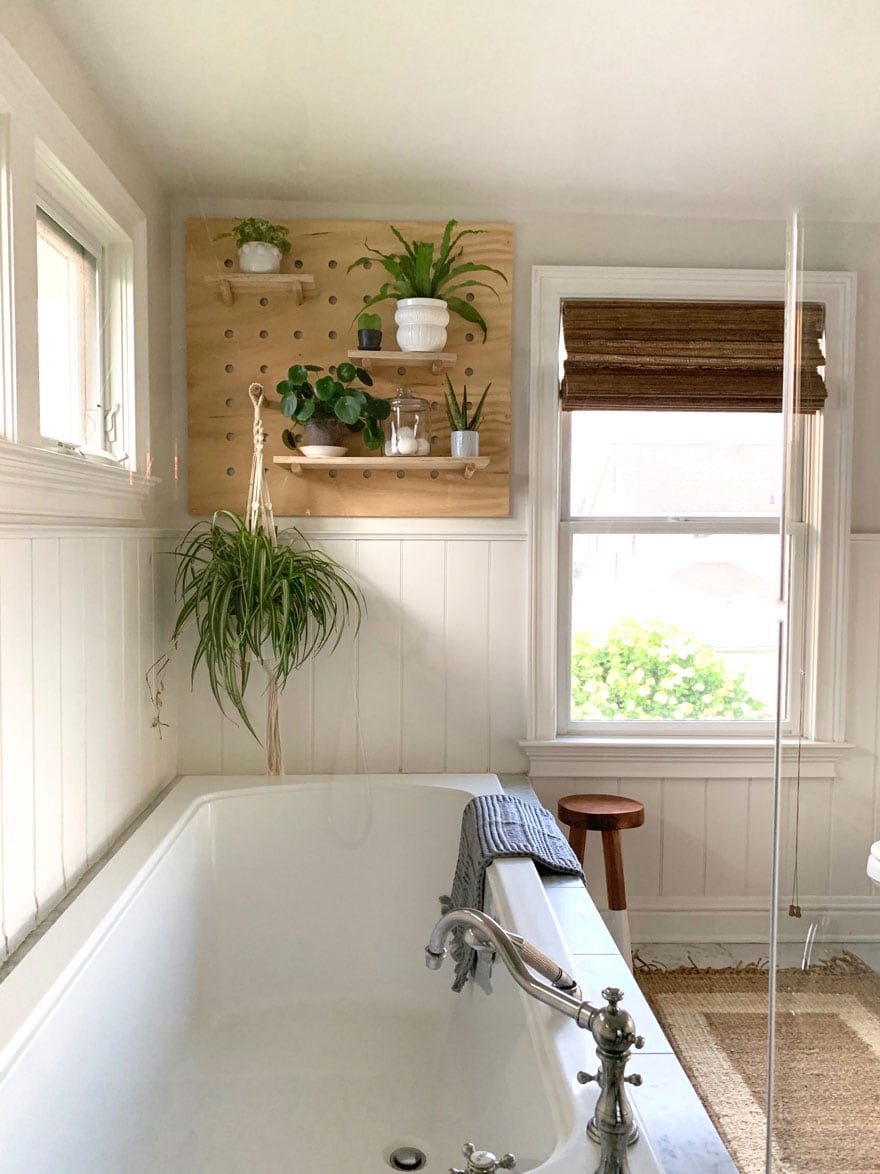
[{"x": 719, "y": 954}]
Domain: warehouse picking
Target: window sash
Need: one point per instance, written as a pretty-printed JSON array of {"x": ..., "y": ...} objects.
[
  {"x": 799, "y": 562},
  {"x": 84, "y": 426}
]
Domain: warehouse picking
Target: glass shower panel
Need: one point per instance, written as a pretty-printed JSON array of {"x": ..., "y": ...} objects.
[{"x": 823, "y": 1074}]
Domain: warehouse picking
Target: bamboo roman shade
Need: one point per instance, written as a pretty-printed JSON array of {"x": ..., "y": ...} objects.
[{"x": 686, "y": 356}]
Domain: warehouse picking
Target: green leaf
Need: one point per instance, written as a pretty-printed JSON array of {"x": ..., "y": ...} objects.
[
  {"x": 325, "y": 388},
  {"x": 285, "y": 387},
  {"x": 299, "y": 374},
  {"x": 306, "y": 411},
  {"x": 347, "y": 409},
  {"x": 467, "y": 311},
  {"x": 289, "y": 404},
  {"x": 364, "y": 376},
  {"x": 422, "y": 272},
  {"x": 287, "y": 439},
  {"x": 345, "y": 372}
]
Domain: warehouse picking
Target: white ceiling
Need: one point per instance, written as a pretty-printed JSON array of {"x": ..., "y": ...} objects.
[{"x": 707, "y": 107}]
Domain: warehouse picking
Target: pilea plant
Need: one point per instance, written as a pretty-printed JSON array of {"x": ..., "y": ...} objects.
[
  {"x": 418, "y": 273},
  {"x": 333, "y": 396}
]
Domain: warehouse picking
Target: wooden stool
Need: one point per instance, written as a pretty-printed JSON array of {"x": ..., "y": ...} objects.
[{"x": 608, "y": 814}]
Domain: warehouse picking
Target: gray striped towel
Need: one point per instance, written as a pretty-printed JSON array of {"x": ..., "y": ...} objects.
[{"x": 494, "y": 826}]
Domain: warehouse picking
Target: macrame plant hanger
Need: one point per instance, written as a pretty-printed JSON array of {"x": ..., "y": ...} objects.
[{"x": 259, "y": 517}]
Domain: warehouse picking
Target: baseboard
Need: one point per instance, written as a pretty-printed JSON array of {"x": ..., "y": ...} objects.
[{"x": 667, "y": 919}]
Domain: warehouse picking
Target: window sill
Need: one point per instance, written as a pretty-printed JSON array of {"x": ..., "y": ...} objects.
[
  {"x": 700, "y": 758},
  {"x": 60, "y": 488}
]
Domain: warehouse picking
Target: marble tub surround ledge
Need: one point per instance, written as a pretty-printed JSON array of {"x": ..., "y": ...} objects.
[{"x": 681, "y": 1133}]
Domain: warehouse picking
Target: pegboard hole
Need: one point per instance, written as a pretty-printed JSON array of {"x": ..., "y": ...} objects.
[
  {"x": 434, "y": 474},
  {"x": 435, "y": 439},
  {"x": 264, "y": 370},
  {"x": 297, "y": 334},
  {"x": 297, "y": 264},
  {"x": 400, "y": 474},
  {"x": 332, "y": 264},
  {"x": 230, "y": 436},
  {"x": 332, "y": 472},
  {"x": 468, "y": 338},
  {"x": 333, "y": 299},
  {"x": 264, "y": 301},
  {"x": 401, "y": 370},
  {"x": 434, "y": 405},
  {"x": 365, "y": 298},
  {"x": 470, "y": 297},
  {"x": 332, "y": 334},
  {"x": 230, "y": 472},
  {"x": 230, "y": 402},
  {"x": 228, "y": 333},
  {"x": 367, "y": 474},
  {"x": 368, "y": 265},
  {"x": 228, "y": 262},
  {"x": 331, "y": 370},
  {"x": 468, "y": 370},
  {"x": 264, "y": 334},
  {"x": 229, "y": 368}
]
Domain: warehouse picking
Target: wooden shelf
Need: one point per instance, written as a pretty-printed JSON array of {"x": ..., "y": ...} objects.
[
  {"x": 467, "y": 466},
  {"x": 436, "y": 360},
  {"x": 300, "y": 285}
]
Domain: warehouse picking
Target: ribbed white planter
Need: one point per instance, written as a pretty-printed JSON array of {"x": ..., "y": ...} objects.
[
  {"x": 259, "y": 257},
  {"x": 421, "y": 324}
]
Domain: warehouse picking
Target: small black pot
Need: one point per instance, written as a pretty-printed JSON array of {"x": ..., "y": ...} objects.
[{"x": 370, "y": 340}]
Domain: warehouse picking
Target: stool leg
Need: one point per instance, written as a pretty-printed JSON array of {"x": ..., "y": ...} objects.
[
  {"x": 577, "y": 838},
  {"x": 614, "y": 882},
  {"x": 616, "y": 888}
]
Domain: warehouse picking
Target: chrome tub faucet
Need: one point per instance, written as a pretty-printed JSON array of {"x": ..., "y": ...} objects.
[{"x": 612, "y": 1028}]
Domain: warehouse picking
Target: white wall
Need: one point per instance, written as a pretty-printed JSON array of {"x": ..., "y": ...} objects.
[
  {"x": 82, "y": 610},
  {"x": 700, "y": 866}
]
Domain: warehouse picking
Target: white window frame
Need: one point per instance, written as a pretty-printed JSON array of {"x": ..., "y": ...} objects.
[
  {"x": 44, "y": 159},
  {"x": 551, "y": 751}
]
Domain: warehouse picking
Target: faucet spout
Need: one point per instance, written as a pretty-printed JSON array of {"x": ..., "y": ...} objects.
[
  {"x": 612, "y": 1028},
  {"x": 487, "y": 930}
]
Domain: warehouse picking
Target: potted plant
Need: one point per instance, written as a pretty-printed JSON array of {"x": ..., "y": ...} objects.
[
  {"x": 426, "y": 287},
  {"x": 257, "y": 599},
  {"x": 260, "y": 245},
  {"x": 464, "y": 438},
  {"x": 329, "y": 404},
  {"x": 369, "y": 332}
]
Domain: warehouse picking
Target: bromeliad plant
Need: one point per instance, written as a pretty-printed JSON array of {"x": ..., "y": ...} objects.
[
  {"x": 333, "y": 397},
  {"x": 457, "y": 414},
  {"x": 253, "y": 229},
  {"x": 418, "y": 273}
]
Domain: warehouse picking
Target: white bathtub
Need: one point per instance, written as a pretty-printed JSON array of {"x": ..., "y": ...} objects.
[{"x": 243, "y": 988}]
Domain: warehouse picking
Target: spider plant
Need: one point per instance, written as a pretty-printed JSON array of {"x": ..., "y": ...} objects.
[
  {"x": 457, "y": 414},
  {"x": 255, "y": 602},
  {"x": 418, "y": 273}
]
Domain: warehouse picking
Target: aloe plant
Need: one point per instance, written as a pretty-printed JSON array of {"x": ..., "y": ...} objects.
[
  {"x": 252, "y": 229},
  {"x": 418, "y": 273},
  {"x": 301, "y": 400},
  {"x": 253, "y": 601},
  {"x": 457, "y": 414}
]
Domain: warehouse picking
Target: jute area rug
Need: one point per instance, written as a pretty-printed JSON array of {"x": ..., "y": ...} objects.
[{"x": 827, "y": 1068}]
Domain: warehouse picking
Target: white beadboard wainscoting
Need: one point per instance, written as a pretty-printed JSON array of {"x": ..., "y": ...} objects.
[
  {"x": 436, "y": 680},
  {"x": 82, "y": 617}
]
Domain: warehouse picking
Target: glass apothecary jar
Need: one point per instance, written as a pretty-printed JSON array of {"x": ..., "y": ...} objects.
[{"x": 409, "y": 426}]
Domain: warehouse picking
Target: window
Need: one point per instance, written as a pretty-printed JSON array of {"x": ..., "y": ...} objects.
[
  {"x": 648, "y": 556},
  {"x": 74, "y": 370},
  {"x": 69, "y": 345}
]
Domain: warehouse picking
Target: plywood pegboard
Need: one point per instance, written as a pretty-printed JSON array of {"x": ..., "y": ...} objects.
[{"x": 262, "y": 333}]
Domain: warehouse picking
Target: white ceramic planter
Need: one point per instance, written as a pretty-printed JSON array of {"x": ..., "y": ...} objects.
[
  {"x": 421, "y": 324},
  {"x": 259, "y": 257},
  {"x": 465, "y": 444}
]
